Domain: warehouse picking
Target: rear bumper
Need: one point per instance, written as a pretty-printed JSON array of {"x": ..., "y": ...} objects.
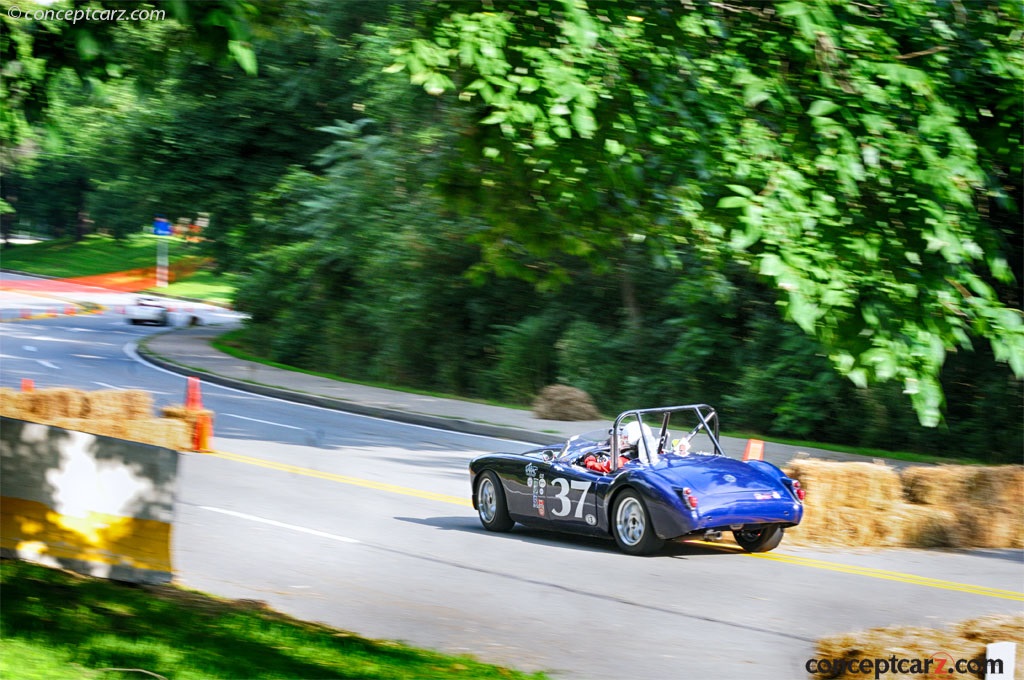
[{"x": 727, "y": 513}]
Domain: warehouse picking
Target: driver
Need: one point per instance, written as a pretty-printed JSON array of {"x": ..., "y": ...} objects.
[{"x": 629, "y": 438}]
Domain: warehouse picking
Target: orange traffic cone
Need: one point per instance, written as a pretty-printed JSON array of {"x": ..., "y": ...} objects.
[
  {"x": 754, "y": 450},
  {"x": 203, "y": 432},
  {"x": 27, "y": 385},
  {"x": 193, "y": 396}
]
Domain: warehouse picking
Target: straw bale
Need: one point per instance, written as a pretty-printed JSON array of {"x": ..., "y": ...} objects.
[
  {"x": 990, "y": 527},
  {"x": 107, "y": 428},
  {"x": 44, "y": 405},
  {"x": 987, "y": 503},
  {"x": 126, "y": 404},
  {"x": 990, "y": 486},
  {"x": 841, "y": 526},
  {"x": 166, "y": 432},
  {"x": 994, "y": 628},
  {"x": 916, "y": 526},
  {"x": 191, "y": 416},
  {"x": 965, "y": 640},
  {"x": 10, "y": 404},
  {"x": 59, "y": 402},
  {"x": 564, "y": 402},
  {"x": 829, "y": 484}
]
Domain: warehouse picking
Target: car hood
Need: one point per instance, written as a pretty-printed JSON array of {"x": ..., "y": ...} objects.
[{"x": 713, "y": 474}]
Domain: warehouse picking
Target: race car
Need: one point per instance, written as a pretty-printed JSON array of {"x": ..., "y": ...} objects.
[{"x": 640, "y": 485}]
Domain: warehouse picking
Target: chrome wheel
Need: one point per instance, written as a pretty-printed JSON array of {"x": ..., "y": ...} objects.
[
  {"x": 633, "y": 528},
  {"x": 488, "y": 502},
  {"x": 630, "y": 521}
]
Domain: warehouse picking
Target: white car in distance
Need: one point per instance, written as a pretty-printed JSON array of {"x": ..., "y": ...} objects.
[{"x": 148, "y": 310}]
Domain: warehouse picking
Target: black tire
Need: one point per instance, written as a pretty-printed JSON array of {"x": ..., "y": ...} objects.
[
  {"x": 764, "y": 539},
  {"x": 631, "y": 525},
  {"x": 490, "y": 503},
  {"x": 133, "y": 322}
]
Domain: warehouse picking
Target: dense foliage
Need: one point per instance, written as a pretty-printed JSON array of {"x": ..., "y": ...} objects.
[{"x": 806, "y": 213}]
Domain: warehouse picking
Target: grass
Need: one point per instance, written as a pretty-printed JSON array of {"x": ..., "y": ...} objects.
[
  {"x": 203, "y": 285},
  {"x": 98, "y": 254},
  {"x": 95, "y": 254},
  {"x": 61, "y": 625}
]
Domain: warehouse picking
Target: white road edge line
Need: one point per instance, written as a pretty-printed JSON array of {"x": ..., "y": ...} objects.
[
  {"x": 265, "y": 422},
  {"x": 282, "y": 525},
  {"x": 129, "y": 349},
  {"x": 48, "y": 364}
]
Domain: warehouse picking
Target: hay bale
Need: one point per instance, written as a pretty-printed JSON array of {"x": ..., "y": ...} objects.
[
  {"x": 105, "y": 428},
  {"x": 127, "y": 404},
  {"x": 918, "y": 526},
  {"x": 986, "y": 501},
  {"x": 44, "y": 405},
  {"x": 62, "y": 402},
  {"x": 563, "y": 402},
  {"x": 966, "y": 640},
  {"x": 831, "y": 484},
  {"x": 841, "y": 526},
  {"x": 167, "y": 432},
  {"x": 9, "y": 403},
  {"x": 190, "y": 416},
  {"x": 991, "y": 486},
  {"x": 931, "y": 485},
  {"x": 848, "y": 504}
]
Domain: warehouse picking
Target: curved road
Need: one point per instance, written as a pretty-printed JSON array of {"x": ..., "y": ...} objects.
[{"x": 366, "y": 525}]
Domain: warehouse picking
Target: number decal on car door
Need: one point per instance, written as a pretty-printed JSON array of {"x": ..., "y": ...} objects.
[{"x": 564, "y": 485}]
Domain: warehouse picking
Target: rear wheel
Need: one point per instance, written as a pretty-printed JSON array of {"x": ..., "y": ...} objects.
[
  {"x": 490, "y": 503},
  {"x": 631, "y": 525},
  {"x": 762, "y": 539}
]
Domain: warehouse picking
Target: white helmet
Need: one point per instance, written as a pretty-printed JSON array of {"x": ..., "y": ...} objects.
[{"x": 635, "y": 431}]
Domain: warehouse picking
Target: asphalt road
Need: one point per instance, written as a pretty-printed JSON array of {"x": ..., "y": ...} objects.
[{"x": 365, "y": 524}]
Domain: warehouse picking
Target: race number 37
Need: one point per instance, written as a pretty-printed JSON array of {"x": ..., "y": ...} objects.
[{"x": 564, "y": 485}]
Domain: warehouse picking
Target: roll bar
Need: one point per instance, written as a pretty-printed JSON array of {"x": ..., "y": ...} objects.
[{"x": 707, "y": 420}]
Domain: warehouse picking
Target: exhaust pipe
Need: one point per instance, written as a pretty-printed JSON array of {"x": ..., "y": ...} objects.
[{"x": 713, "y": 536}]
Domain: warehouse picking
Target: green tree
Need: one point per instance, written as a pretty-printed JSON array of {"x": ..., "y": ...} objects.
[{"x": 825, "y": 144}]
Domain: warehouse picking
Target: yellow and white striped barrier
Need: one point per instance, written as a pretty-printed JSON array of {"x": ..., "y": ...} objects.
[{"x": 95, "y": 505}]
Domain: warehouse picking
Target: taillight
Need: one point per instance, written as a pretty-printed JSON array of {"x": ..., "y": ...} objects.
[
  {"x": 690, "y": 499},
  {"x": 798, "y": 490}
]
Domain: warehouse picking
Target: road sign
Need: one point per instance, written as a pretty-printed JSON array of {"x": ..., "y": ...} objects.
[{"x": 161, "y": 226}]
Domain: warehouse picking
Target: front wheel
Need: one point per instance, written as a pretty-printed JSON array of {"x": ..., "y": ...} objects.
[
  {"x": 631, "y": 525},
  {"x": 759, "y": 540},
  {"x": 491, "y": 505}
]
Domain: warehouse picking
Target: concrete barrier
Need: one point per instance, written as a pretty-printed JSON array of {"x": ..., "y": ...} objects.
[{"x": 91, "y": 504}]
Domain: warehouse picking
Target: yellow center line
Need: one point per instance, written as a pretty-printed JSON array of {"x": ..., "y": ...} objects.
[
  {"x": 796, "y": 560},
  {"x": 892, "y": 576}
]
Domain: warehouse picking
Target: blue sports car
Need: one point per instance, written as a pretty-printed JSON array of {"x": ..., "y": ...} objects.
[{"x": 640, "y": 484}]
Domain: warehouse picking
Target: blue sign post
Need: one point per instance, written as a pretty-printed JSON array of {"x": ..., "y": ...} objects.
[{"x": 161, "y": 227}]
